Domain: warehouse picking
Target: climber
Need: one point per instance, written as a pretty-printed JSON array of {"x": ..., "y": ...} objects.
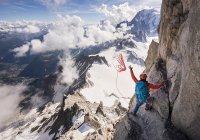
[{"x": 142, "y": 90}]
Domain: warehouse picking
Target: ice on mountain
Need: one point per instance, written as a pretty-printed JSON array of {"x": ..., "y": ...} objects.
[{"x": 85, "y": 129}]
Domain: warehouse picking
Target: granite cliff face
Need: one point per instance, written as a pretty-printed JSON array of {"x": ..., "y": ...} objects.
[{"x": 177, "y": 60}]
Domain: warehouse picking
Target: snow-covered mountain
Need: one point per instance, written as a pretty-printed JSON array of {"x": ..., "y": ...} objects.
[
  {"x": 114, "y": 85},
  {"x": 144, "y": 24},
  {"x": 93, "y": 103}
]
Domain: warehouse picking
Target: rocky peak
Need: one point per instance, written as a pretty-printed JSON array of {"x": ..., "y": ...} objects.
[
  {"x": 100, "y": 120},
  {"x": 152, "y": 54}
]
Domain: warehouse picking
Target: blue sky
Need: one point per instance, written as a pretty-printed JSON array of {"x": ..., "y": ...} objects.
[{"x": 46, "y": 10}]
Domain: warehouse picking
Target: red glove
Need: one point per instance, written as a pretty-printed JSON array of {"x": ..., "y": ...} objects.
[{"x": 130, "y": 67}]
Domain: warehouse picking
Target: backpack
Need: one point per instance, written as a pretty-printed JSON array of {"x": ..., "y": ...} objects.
[{"x": 141, "y": 90}]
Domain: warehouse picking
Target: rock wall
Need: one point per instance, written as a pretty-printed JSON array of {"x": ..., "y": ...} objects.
[
  {"x": 178, "y": 61},
  {"x": 152, "y": 55}
]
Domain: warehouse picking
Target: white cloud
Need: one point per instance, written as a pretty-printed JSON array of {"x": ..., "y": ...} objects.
[
  {"x": 117, "y": 14},
  {"x": 26, "y": 27},
  {"x": 69, "y": 32},
  {"x": 100, "y": 33},
  {"x": 66, "y": 33},
  {"x": 69, "y": 73},
  {"x": 36, "y": 45},
  {"x": 9, "y": 101},
  {"x": 21, "y": 51},
  {"x": 126, "y": 11}
]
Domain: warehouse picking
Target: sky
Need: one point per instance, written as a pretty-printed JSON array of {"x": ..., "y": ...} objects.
[{"x": 47, "y": 10}]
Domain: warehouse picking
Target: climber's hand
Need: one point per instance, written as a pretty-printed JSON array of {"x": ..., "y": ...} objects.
[
  {"x": 130, "y": 67},
  {"x": 162, "y": 84}
]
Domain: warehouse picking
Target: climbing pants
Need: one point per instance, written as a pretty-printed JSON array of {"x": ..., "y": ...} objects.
[{"x": 137, "y": 106}]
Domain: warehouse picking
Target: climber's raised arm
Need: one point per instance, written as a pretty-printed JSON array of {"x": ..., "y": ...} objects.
[
  {"x": 156, "y": 86},
  {"x": 132, "y": 75}
]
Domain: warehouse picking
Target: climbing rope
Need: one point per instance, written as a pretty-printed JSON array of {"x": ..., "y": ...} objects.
[
  {"x": 116, "y": 85},
  {"x": 121, "y": 67}
]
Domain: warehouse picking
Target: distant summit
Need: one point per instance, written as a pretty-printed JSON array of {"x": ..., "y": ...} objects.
[{"x": 144, "y": 24}]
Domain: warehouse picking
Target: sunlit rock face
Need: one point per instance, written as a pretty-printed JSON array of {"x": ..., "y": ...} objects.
[{"x": 179, "y": 50}]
